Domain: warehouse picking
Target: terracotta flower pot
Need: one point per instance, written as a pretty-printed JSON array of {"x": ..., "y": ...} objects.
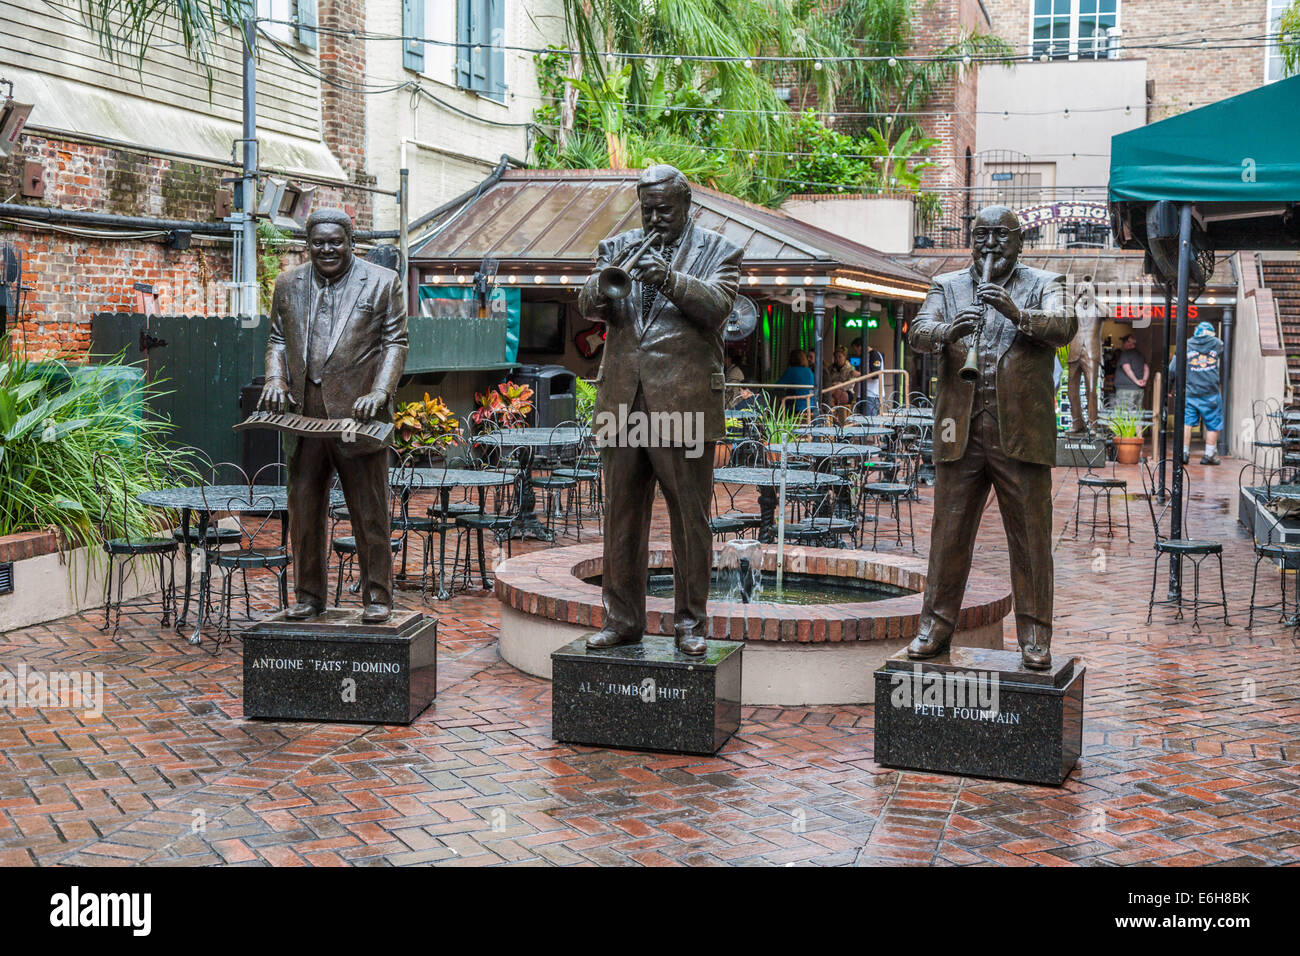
[{"x": 1128, "y": 450}]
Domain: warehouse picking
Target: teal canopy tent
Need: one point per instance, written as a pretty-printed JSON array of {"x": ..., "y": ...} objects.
[
  {"x": 1216, "y": 179},
  {"x": 1245, "y": 149}
]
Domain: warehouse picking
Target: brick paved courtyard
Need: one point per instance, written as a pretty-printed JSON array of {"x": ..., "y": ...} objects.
[{"x": 1190, "y": 752}]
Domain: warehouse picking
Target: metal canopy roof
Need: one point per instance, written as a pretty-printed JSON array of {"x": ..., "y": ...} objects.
[{"x": 556, "y": 218}]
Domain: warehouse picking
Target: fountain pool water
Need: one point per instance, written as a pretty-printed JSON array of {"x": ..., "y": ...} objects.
[{"x": 839, "y": 615}]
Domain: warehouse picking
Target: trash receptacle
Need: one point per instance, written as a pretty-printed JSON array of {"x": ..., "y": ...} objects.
[{"x": 554, "y": 393}]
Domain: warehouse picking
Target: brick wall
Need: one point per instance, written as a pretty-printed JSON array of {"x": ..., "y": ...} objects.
[
  {"x": 343, "y": 110},
  {"x": 70, "y": 276},
  {"x": 1183, "y": 79},
  {"x": 938, "y": 24}
]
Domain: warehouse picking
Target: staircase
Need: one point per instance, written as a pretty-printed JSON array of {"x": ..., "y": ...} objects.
[{"x": 1282, "y": 278}]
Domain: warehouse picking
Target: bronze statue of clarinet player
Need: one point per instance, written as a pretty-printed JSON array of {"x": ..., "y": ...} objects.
[
  {"x": 996, "y": 327},
  {"x": 336, "y": 351},
  {"x": 664, "y": 292}
]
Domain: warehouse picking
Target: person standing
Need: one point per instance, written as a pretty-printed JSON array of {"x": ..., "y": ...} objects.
[
  {"x": 663, "y": 358},
  {"x": 837, "y": 372},
  {"x": 996, "y": 431},
  {"x": 1130, "y": 374},
  {"x": 336, "y": 350},
  {"x": 798, "y": 373},
  {"x": 1204, "y": 401}
]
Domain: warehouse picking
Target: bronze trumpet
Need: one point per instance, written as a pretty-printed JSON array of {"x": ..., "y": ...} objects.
[
  {"x": 970, "y": 372},
  {"x": 614, "y": 281}
]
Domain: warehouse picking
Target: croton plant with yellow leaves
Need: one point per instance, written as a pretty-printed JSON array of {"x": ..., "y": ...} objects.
[{"x": 424, "y": 424}]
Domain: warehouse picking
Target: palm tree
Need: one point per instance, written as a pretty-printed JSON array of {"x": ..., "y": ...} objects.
[
  {"x": 653, "y": 108},
  {"x": 127, "y": 28}
]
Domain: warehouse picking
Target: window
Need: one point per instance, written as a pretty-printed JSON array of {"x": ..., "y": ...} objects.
[
  {"x": 1074, "y": 29},
  {"x": 1273, "y": 61},
  {"x": 480, "y": 34},
  {"x": 286, "y": 11}
]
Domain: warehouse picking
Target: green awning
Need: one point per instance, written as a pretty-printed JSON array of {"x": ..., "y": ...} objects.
[{"x": 1242, "y": 149}]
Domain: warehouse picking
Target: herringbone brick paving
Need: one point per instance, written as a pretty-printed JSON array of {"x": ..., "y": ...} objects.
[{"x": 1190, "y": 753}]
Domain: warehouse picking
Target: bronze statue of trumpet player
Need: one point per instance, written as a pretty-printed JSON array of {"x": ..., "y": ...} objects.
[
  {"x": 996, "y": 327},
  {"x": 664, "y": 292}
]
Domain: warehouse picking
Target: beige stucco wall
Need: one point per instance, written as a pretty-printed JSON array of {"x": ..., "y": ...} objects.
[
  {"x": 1078, "y": 146},
  {"x": 883, "y": 224},
  {"x": 1253, "y": 376},
  {"x": 52, "y": 586},
  {"x": 448, "y": 153}
]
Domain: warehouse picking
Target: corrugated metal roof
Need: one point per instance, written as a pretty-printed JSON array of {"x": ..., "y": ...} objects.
[{"x": 554, "y": 215}]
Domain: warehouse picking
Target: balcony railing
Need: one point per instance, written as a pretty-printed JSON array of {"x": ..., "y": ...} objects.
[{"x": 1052, "y": 217}]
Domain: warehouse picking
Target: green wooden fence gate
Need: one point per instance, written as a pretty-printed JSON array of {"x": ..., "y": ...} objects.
[{"x": 200, "y": 362}]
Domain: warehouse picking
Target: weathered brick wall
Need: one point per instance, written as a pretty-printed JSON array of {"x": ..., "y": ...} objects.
[
  {"x": 343, "y": 108},
  {"x": 938, "y": 24},
  {"x": 71, "y": 273},
  {"x": 1184, "y": 79}
]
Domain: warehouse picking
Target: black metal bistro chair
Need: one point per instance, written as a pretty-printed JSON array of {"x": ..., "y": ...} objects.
[
  {"x": 1184, "y": 546},
  {"x": 261, "y": 545},
  {"x": 345, "y": 546},
  {"x": 123, "y": 542},
  {"x": 499, "y": 517},
  {"x": 553, "y": 475},
  {"x": 1283, "y": 555},
  {"x": 900, "y": 488},
  {"x": 1101, "y": 482},
  {"x": 730, "y": 518}
]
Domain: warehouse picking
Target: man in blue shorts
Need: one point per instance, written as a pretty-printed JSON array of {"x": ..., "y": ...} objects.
[{"x": 1204, "y": 401}]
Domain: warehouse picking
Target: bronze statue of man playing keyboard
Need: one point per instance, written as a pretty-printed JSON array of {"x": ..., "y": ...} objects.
[{"x": 336, "y": 351}]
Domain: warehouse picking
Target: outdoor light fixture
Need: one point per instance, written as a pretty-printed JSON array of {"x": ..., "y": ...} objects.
[
  {"x": 286, "y": 204},
  {"x": 893, "y": 291},
  {"x": 13, "y": 117}
]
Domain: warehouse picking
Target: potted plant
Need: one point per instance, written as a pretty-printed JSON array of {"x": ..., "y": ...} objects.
[
  {"x": 426, "y": 426},
  {"x": 1125, "y": 423},
  {"x": 506, "y": 406}
]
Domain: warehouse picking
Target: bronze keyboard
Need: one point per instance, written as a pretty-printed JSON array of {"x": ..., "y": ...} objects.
[{"x": 301, "y": 425}]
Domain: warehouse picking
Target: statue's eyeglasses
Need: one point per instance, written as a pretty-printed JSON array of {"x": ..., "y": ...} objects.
[{"x": 1000, "y": 233}]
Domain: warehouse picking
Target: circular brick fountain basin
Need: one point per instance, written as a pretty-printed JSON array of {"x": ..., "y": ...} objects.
[{"x": 794, "y": 655}]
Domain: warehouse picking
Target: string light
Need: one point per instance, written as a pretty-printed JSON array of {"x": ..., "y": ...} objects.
[{"x": 1165, "y": 41}]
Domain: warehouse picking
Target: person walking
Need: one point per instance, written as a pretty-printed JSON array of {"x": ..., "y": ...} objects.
[{"x": 1204, "y": 399}]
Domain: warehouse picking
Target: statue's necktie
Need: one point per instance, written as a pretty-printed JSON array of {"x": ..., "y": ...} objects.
[{"x": 322, "y": 330}]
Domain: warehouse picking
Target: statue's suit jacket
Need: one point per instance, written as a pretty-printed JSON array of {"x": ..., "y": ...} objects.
[
  {"x": 677, "y": 352},
  {"x": 367, "y": 349},
  {"x": 1026, "y": 409}
]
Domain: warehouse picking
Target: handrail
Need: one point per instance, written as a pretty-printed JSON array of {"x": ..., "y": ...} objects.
[{"x": 878, "y": 373}]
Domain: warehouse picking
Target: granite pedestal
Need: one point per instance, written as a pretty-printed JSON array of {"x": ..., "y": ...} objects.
[
  {"x": 1079, "y": 451},
  {"x": 646, "y": 696},
  {"x": 333, "y": 667},
  {"x": 980, "y": 713}
]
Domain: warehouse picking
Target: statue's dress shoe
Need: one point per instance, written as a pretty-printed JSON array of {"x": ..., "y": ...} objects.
[
  {"x": 929, "y": 642},
  {"x": 1036, "y": 648},
  {"x": 689, "y": 642},
  {"x": 302, "y": 611},
  {"x": 608, "y": 637},
  {"x": 375, "y": 614}
]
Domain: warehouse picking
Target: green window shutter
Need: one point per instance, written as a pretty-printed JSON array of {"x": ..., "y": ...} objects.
[
  {"x": 496, "y": 78},
  {"x": 463, "y": 44},
  {"x": 413, "y": 26},
  {"x": 307, "y": 24}
]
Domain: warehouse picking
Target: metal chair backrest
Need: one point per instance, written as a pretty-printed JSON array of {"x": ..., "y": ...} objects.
[{"x": 1162, "y": 512}]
